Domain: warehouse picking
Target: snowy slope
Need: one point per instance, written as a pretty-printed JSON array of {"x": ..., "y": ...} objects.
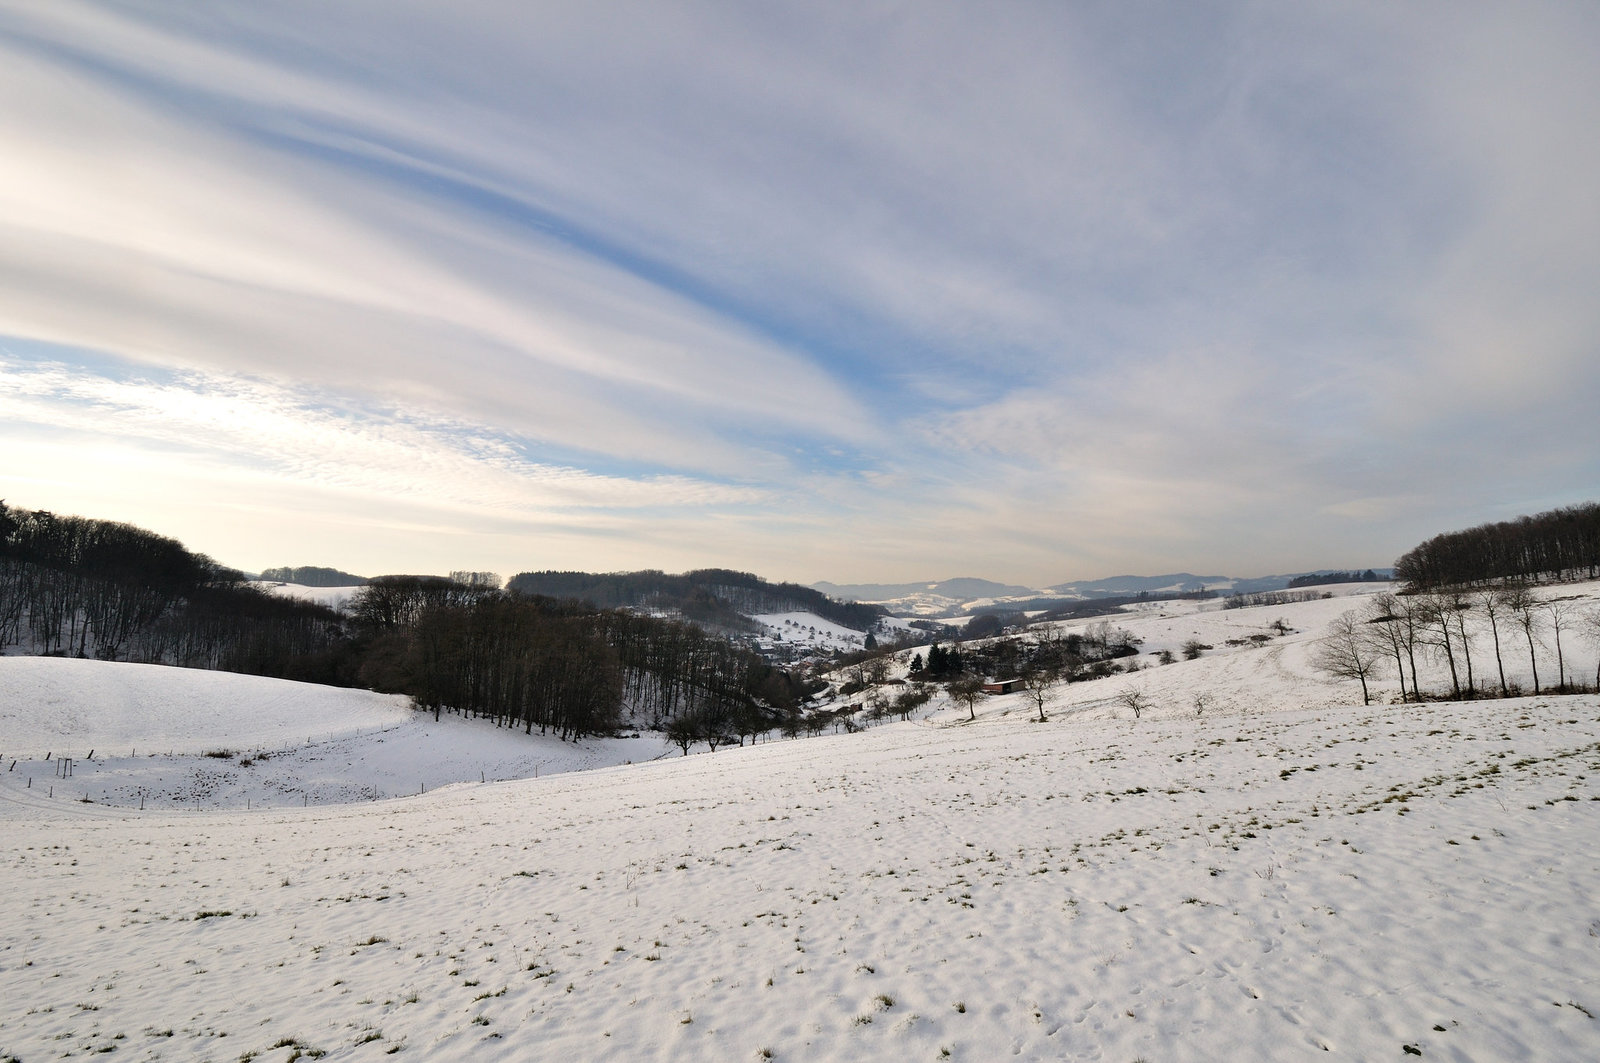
[
  {"x": 68, "y": 705},
  {"x": 1286, "y": 876},
  {"x": 165, "y": 737},
  {"x": 332, "y": 597},
  {"x": 807, "y": 629}
]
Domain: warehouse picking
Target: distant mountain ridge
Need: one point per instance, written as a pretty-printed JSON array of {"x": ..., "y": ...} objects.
[
  {"x": 961, "y": 587},
  {"x": 963, "y": 595}
]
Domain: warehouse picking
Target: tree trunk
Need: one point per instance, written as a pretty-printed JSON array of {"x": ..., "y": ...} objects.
[{"x": 1505, "y": 691}]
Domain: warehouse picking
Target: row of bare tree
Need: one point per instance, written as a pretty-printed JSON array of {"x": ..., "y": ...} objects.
[{"x": 1447, "y": 627}]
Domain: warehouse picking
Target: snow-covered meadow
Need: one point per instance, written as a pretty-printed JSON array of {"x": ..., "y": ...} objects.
[
  {"x": 1281, "y": 874},
  {"x": 333, "y": 597},
  {"x": 808, "y": 630},
  {"x": 146, "y": 736}
]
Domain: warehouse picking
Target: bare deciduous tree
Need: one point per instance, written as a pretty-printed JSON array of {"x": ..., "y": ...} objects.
[
  {"x": 1562, "y": 616},
  {"x": 1040, "y": 683},
  {"x": 1460, "y": 610},
  {"x": 1434, "y": 610},
  {"x": 910, "y": 700},
  {"x": 1493, "y": 605},
  {"x": 1396, "y": 621},
  {"x": 1524, "y": 609},
  {"x": 967, "y": 691},
  {"x": 1589, "y": 624},
  {"x": 1349, "y": 651},
  {"x": 1560, "y": 544},
  {"x": 1135, "y": 699}
]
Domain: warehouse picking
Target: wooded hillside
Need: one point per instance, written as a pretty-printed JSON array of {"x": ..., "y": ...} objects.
[
  {"x": 1558, "y": 544},
  {"x": 713, "y": 596}
]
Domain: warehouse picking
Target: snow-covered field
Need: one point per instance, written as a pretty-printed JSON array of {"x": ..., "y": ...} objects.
[
  {"x": 1285, "y": 875},
  {"x": 810, "y": 630},
  {"x": 143, "y": 735},
  {"x": 71, "y": 706},
  {"x": 332, "y": 597}
]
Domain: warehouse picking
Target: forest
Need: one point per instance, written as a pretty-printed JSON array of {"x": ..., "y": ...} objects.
[
  {"x": 1560, "y": 544},
  {"x": 563, "y": 666},
  {"x": 75, "y": 586},
  {"x": 716, "y": 596},
  {"x": 79, "y": 587},
  {"x": 1320, "y": 579},
  {"x": 312, "y": 576}
]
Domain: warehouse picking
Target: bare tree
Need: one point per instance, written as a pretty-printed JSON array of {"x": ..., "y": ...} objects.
[
  {"x": 877, "y": 703},
  {"x": 683, "y": 731},
  {"x": 1493, "y": 604},
  {"x": 1562, "y": 616},
  {"x": 1396, "y": 620},
  {"x": 1349, "y": 651},
  {"x": 1434, "y": 611},
  {"x": 1135, "y": 699},
  {"x": 1589, "y": 624},
  {"x": 1460, "y": 611},
  {"x": 1524, "y": 609},
  {"x": 910, "y": 700},
  {"x": 1560, "y": 544},
  {"x": 1411, "y": 634},
  {"x": 1040, "y": 683},
  {"x": 967, "y": 691}
]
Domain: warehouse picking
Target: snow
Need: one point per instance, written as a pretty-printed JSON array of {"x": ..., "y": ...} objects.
[
  {"x": 70, "y": 706},
  {"x": 1284, "y": 876},
  {"x": 168, "y": 737},
  {"x": 809, "y": 630},
  {"x": 332, "y": 597}
]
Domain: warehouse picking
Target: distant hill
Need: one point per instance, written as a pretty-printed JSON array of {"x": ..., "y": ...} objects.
[
  {"x": 714, "y": 597},
  {"x": 1123, "y": 586},
  {"x": 962, "y": 587},
  {"x": 960, "y": 597},
  {"x": 312, "y": 576}
]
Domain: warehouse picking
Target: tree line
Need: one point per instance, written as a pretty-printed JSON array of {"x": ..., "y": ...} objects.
[
  {"x": 75, "y": 586},
  {"x": 312, "y": 576},
  {"x": 564, "y": 666},
  {"x": 80, "y": 587},
  {"x": 714, "y": 595},
  {"x": 1242, "y": 600},
  {"x": 1447, "y": 627},
  {"x": 1560, "y": 544},
  {"x": 1318, "y": 579}
]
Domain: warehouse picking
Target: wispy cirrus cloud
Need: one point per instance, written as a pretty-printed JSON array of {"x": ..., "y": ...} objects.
[
  {"x": 1034, "y": 292},
  {"x": 247, "y": 446},
  {"x": 327, "y": 442}
]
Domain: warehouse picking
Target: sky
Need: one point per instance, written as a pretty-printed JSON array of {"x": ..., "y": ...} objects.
[{"x": 859, "y": 292}]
